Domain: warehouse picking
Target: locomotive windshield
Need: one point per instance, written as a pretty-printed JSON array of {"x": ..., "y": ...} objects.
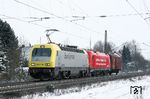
[{"x": 41, "y": 54}]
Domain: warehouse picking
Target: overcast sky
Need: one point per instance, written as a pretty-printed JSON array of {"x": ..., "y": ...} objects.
[{"x": 122, "y": 21}]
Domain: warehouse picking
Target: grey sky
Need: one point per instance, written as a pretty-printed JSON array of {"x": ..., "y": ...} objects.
[{"x": 121, "y": 23}]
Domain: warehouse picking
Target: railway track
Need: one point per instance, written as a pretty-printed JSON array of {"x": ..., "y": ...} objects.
[{"x": 22, "y": 88}]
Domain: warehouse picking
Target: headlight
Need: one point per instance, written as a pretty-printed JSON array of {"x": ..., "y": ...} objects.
[
  {"x": 47, "y": 64},
  {"x": 32, "y": 64}
]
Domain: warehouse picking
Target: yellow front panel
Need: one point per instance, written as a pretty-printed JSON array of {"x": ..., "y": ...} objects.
[{"x": 49, "y": 64}]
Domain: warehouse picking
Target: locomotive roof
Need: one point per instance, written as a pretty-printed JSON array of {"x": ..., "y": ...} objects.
[
  {"x": 71, "y": 49},
  {"x": 115, "y": 55}
]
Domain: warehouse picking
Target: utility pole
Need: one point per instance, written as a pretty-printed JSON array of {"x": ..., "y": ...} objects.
[
  {"x": 90, "y": 42},
  {"x": 40, "y": 39},
  {"x": 105, "y": 44},
  {"x": 135, "y": 58}
]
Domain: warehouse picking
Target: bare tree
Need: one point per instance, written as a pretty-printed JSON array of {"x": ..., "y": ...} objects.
[
  {"x": 134, "y": 48},
  {"x": 136, "y": 56},
  {"x": 99, "y": 46}
]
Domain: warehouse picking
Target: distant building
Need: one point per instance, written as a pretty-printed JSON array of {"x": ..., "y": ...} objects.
[{"x": 25, "y": 52}]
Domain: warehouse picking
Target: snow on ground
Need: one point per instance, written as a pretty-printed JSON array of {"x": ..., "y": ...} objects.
[{"x": 118, "y": 89}]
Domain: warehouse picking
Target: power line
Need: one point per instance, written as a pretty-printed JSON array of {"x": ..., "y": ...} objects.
[
  {"x": 79, "y": 17},
  {"x": 119, "y": 46},
  {"x": 145, "y": 6},
  {"x": 146, "y": 44},
  {"x": 83, "y": 17},
  {"x": 102, "y": 16},
  {"x": 39, "y": 19},
  {"x": 123, "y": 15},
  {"x": 137, "y": 12},
  {"x": 80, "y": 8},
  {"x": 18, "y": 19},
  {"x": 36, "y": 8},
  {"x": 15, "y": 18},
  {"x": 76, "y": 36},
  {"x": 86, "y": 28}
]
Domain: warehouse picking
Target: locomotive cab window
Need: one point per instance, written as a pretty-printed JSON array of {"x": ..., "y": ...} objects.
[{"x": 41, "y": 54}]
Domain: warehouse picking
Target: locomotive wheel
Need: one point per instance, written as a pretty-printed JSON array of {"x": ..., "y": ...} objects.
[
  {"x": 103, "y": 73},
  {"x": 117, "y": 72},
  {"x": 52, "y": 75},
  {"x": 93, "y": 74},
  {"x": 85, "y": 73},
  {"x": 66, "y": 74},
  {"x": 41, "y": 78},
  {"x": 81, "y": 74},
  {"x": 60, "y": 75},
  {"x": 110, "y": 73}
]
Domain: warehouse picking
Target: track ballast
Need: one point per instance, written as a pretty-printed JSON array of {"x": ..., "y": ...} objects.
[{"x": 22, "y": 88}]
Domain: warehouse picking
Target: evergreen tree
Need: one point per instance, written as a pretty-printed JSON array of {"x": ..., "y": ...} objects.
[
  {"x": 128, "y": 54},
  {"x": 126, "y": 57},
  {"x": 9, "y": 43}
]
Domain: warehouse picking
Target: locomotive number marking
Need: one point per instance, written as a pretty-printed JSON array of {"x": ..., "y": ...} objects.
[{"x": 69, "y": 57}]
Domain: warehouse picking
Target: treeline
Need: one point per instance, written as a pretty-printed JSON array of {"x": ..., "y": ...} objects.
[
  {"x": 132, "y": 59},
  {"x": 10, "y": 52},
  {"x": 9, "y": 48}
]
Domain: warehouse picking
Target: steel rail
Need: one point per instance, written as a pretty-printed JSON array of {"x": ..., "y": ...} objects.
[{"x": 33, "y": 87}]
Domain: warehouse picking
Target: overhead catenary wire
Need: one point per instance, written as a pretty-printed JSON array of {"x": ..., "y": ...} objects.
[
  {"x": 76, "y": 36},
  {"x": 137, "y": 12},
  {"x": 144, "y": 3},
  {"x": 146, "y": 8},
  {"x": 84, "y": 17},
  {"x": 57, "y": 17},
  {"x": 123, "y": 15},
  {"x": 102, "y": 16},
  {"x": 81, "y": 17},
  {"x": 146, "y": 44},
  {"x": 38, "y": 19},
  {"x": 119, "y": 46},
  {"x": 38, "y": 9},
  {"x": 18, "y": 19},
  {"x": 78, "y": 17}
]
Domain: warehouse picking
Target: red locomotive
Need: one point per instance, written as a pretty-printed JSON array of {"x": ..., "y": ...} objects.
[{"x": 99, "y": 63}]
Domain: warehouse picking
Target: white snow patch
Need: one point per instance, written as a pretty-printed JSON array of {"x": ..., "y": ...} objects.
[{"x": 119, "y": 89}]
